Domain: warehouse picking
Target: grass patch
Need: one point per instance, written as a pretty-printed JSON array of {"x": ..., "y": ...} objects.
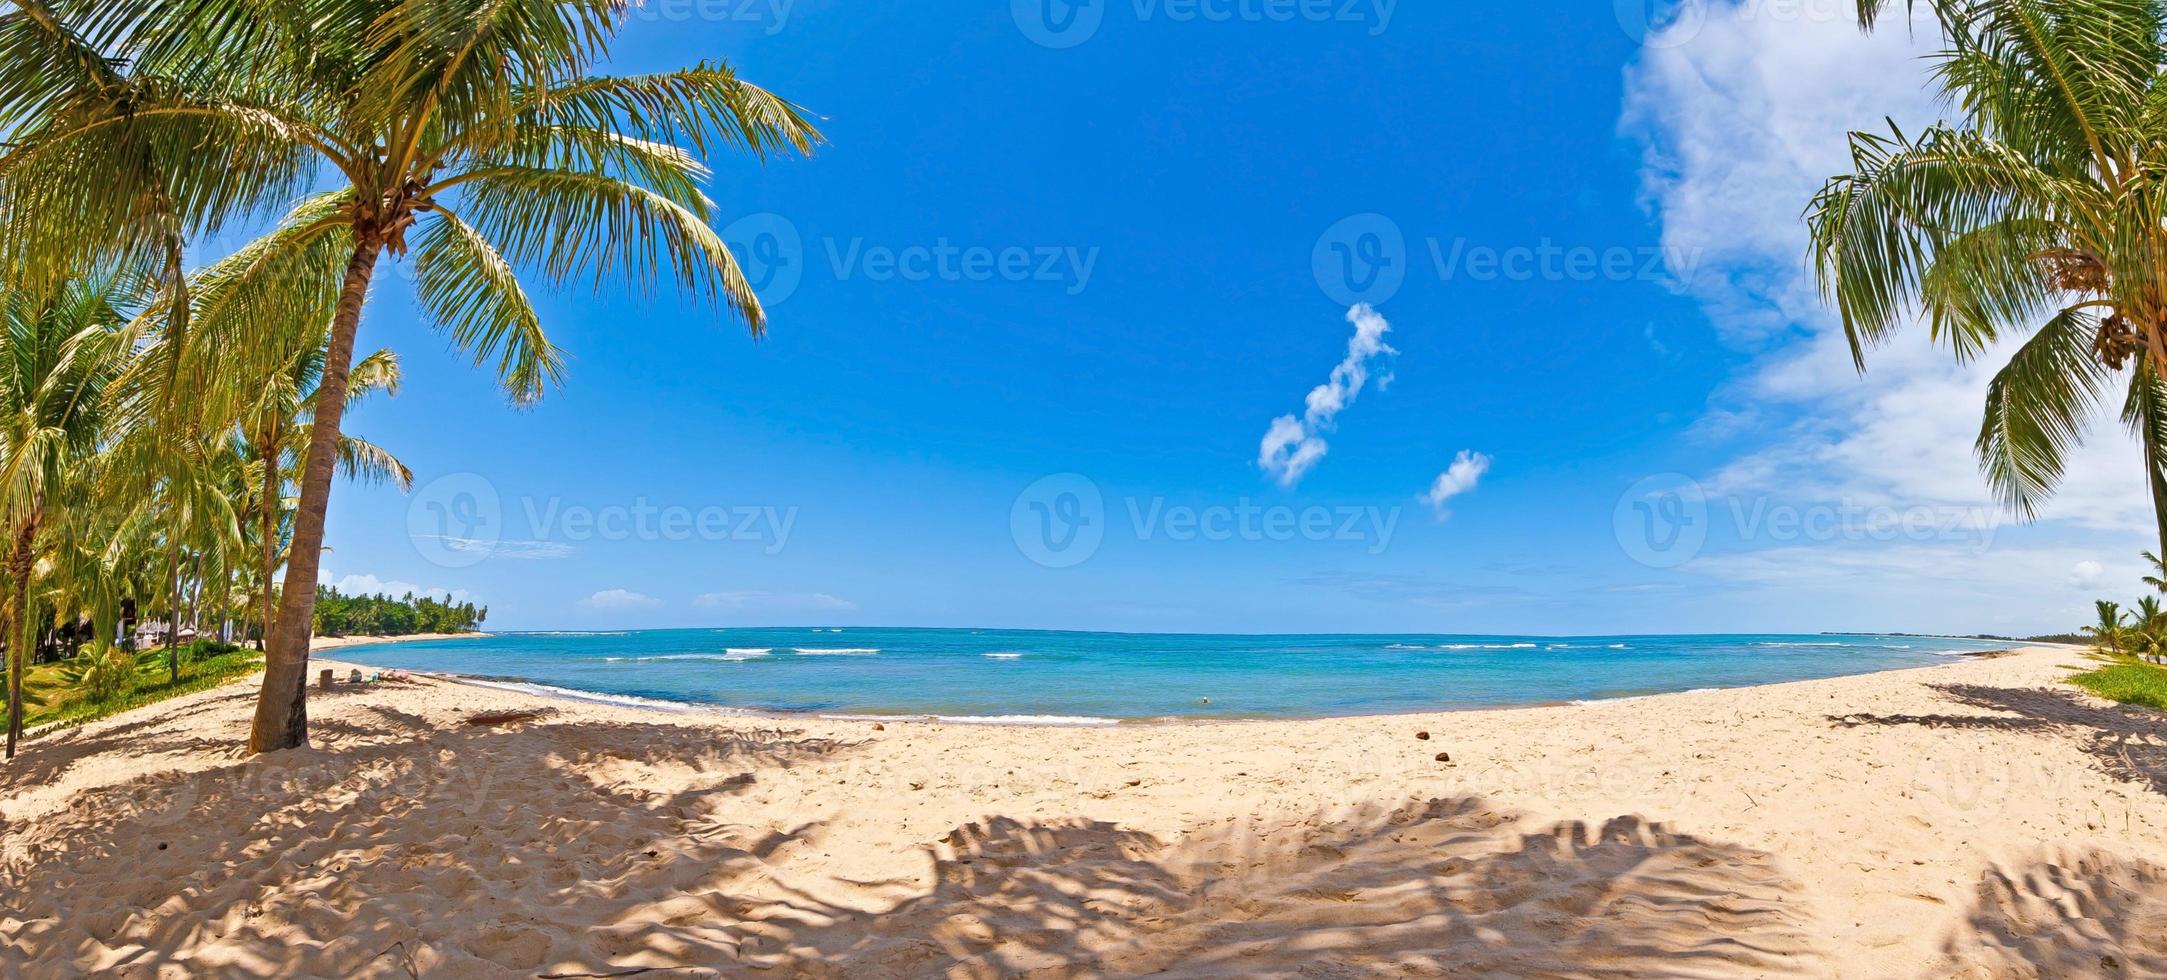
[
  {"x": 57, "y": 699},
  {"x": 2128, "y": 682}
]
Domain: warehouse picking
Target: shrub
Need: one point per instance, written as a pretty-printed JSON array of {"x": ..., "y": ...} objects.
[
  {"x": 110, "y": 671},
  {"x": 203, "y": 649}
]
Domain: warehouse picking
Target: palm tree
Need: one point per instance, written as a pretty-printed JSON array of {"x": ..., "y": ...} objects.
[
  {"x": 58, "y": 353},
  {"x": 2111, "y": 626},
  {"x": 470, "y": 137},
  {"x": 2148, "y": 629},
  {"x": 2038, "y": 213},
  {"x": 273, "y": 437}
]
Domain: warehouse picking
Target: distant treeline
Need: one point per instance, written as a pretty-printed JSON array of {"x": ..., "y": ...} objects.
[{"x": 381, "y": 615}]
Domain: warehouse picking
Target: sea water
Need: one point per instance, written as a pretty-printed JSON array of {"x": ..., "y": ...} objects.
[{"x": 1102, "y": 678}]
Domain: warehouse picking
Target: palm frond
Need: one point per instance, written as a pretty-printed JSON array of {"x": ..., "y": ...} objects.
[{"x": 2036, "y": 409}]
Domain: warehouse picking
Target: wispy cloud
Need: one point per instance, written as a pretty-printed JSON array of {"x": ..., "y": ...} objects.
[
  {"x": 1294, "y": 444},
  {"x": 1466, "y": 470},
  {"x": 775, "y": 601},
  {"x": 521, "y": 550},
  {"x": 620, "y": 600}
]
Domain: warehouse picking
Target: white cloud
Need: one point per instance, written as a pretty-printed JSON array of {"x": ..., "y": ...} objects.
[
  {"x": 1743, "y": 121},
  {"x": 372, "y": 585},
  {"x": 520, "y": 550},
  {"x": 2086, "y": 574},
  {"x": 1292, "y": 445},
  {"x": 758, "y": 600},
  {"x": 619, "y": 600},
  {"x": 1466, "y": 470}
]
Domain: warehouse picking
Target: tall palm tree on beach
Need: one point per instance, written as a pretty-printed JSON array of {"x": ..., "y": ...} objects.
[
  {"x": 2038, "y": 214},
  {"x": 58, "y": 353},
  {"x": 472, "y": 138}
]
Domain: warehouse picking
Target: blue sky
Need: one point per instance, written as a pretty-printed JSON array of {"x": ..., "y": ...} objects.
[{"x": 1117, "y": 260}]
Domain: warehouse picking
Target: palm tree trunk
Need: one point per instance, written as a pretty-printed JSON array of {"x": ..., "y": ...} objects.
[
  {"x": 282, "y": 707},
  {"x": 267, "y": 515},
  {"x": 18, "y": 647},
  {"x": 173, "y": 614},
  {"x": 2149, "y": 427}
]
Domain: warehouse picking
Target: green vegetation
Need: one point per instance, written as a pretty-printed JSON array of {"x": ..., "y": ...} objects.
[
  {"x": 65, "y": 693},
  {"x": 380, "y": 615},
  {"x": 2132, "y": 643},
  {"x": 2127, "y": 681},
  {"x": 169, "y": 436},
  {"x": 2035, "y": 214}
]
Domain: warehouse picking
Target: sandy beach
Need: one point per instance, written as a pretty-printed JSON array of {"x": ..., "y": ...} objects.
[{"x": 1976, "y": 819}]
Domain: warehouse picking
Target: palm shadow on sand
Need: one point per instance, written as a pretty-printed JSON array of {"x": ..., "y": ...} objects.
[
  {"x": 405, "y": 849},
  {"x": 396, "y": 848},
  {"x": 2130, "y": 743},
  {"x": 1436, "y": 887},
  {"x": 2068, "y": 915}
]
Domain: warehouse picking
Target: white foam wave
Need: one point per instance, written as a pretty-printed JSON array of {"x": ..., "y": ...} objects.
[
  {"x": 1045, "y": 720},
  {"x": 595, "y": 697},
  {"x": 1486, "y": 646},
  {"x": 1004, "y": 656},
  {"x": 835, "y": 651},
  {"x": 1054, "y": 720}
]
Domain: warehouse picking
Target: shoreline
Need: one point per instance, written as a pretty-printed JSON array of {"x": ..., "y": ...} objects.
[
  {"x": 671, "y": 706},
  {"x": 321, "y": 643}
]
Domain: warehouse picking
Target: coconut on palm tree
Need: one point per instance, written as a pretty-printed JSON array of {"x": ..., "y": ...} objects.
[
  {"x": 2037, "y": 214},
  {"x": 473, "y": 139}
]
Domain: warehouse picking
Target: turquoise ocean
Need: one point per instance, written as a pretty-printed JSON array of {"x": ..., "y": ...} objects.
[{"x": 1102, "y": 678}]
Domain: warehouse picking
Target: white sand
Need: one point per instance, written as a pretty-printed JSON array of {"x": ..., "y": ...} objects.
[{"x": 1977, "y": 819}]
